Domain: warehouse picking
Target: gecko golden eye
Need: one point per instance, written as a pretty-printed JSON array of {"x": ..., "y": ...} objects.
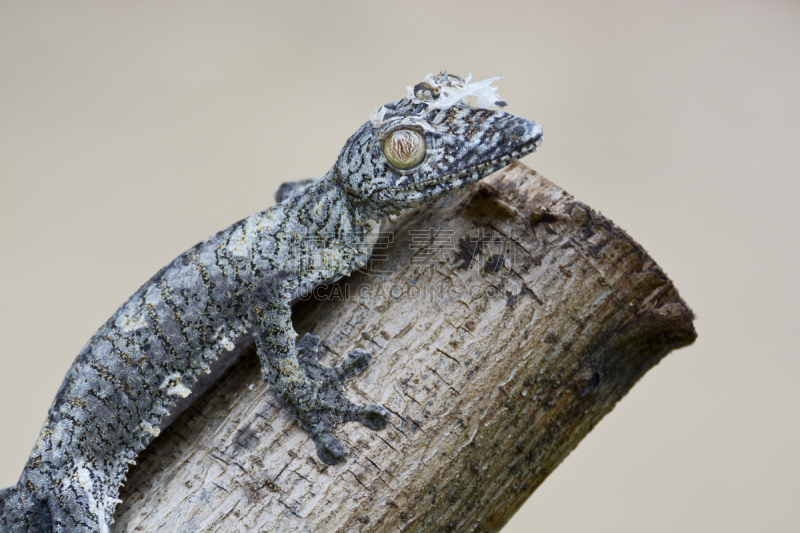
[{"x": 404, "y": 148}]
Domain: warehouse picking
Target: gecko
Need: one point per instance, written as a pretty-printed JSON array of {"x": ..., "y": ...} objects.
[{"x": 170, "y": 340}]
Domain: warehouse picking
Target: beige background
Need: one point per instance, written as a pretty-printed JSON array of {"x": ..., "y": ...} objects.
[{"x": 129, "y": 130}]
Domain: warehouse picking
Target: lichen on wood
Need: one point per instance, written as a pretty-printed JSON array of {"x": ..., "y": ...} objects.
[{"x": 505, "y": 321}]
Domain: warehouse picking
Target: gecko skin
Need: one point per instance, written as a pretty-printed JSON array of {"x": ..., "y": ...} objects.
[{"x": 236, "y": 288}]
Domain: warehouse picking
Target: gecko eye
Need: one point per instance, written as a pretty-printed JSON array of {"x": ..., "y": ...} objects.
[{"x": 404, "y": 148}]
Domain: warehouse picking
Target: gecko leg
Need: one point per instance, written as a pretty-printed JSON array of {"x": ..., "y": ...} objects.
[
  {"x": 313, "y": 393},
  {"x": 44, "y": 521},
  {"x": 291, "y": 188},
  {"x": 23, "y": 512}
]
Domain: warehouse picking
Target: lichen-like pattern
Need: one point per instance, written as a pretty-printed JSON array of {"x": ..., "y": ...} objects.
[{"x": 235, "y": 288}]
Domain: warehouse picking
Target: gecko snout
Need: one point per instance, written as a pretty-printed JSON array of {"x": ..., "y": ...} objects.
[{"x": 522, "y": 132}]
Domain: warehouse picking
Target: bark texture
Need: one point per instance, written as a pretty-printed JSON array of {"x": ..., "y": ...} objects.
[{"x": 505, "y": 321}]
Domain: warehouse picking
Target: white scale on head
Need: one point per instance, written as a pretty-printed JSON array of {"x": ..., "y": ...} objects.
[{"x": 446, "y": 90}]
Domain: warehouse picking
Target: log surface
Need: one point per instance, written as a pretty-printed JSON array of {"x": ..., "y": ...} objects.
[{"x": 505, "y": 321}]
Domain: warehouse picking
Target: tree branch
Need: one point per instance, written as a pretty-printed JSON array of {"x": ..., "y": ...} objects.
[{"x": 510, "y": 320}]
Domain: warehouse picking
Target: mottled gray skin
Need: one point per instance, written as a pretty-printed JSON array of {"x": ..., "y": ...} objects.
[{"x": 234, "y": 288}]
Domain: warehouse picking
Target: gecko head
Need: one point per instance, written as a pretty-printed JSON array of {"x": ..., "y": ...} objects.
[{"x": 412, "y": 152}]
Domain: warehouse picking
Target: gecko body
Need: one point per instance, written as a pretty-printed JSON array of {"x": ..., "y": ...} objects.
[{"x": 184, "y": 326}]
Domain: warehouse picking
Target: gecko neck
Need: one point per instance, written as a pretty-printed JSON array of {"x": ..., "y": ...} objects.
[
  {"x": 338, "y": 211},
  {"x": 323, "y": 236}
]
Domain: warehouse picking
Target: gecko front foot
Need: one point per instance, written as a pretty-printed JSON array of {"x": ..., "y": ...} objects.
[{"x": 325, "y": 405}]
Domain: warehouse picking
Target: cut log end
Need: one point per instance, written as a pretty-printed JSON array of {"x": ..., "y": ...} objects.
[{"x": 505, "y": 321}]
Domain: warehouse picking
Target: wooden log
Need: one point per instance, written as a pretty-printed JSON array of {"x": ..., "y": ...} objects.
[{"x": 506, "y": 320}]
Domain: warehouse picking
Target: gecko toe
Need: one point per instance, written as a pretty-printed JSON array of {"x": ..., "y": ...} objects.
[
  {"x": 308, "y": 348},
  {"x": 329, "y": 449},
  {"x": 372, "y": 416},
  {"x": 354, "y": 364}
]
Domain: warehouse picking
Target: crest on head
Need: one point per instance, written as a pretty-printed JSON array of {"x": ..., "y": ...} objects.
[{"x": 439, "y": 92}]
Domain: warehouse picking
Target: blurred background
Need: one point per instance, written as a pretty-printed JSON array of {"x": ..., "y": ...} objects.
[{"x": 130, "y": 130}]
